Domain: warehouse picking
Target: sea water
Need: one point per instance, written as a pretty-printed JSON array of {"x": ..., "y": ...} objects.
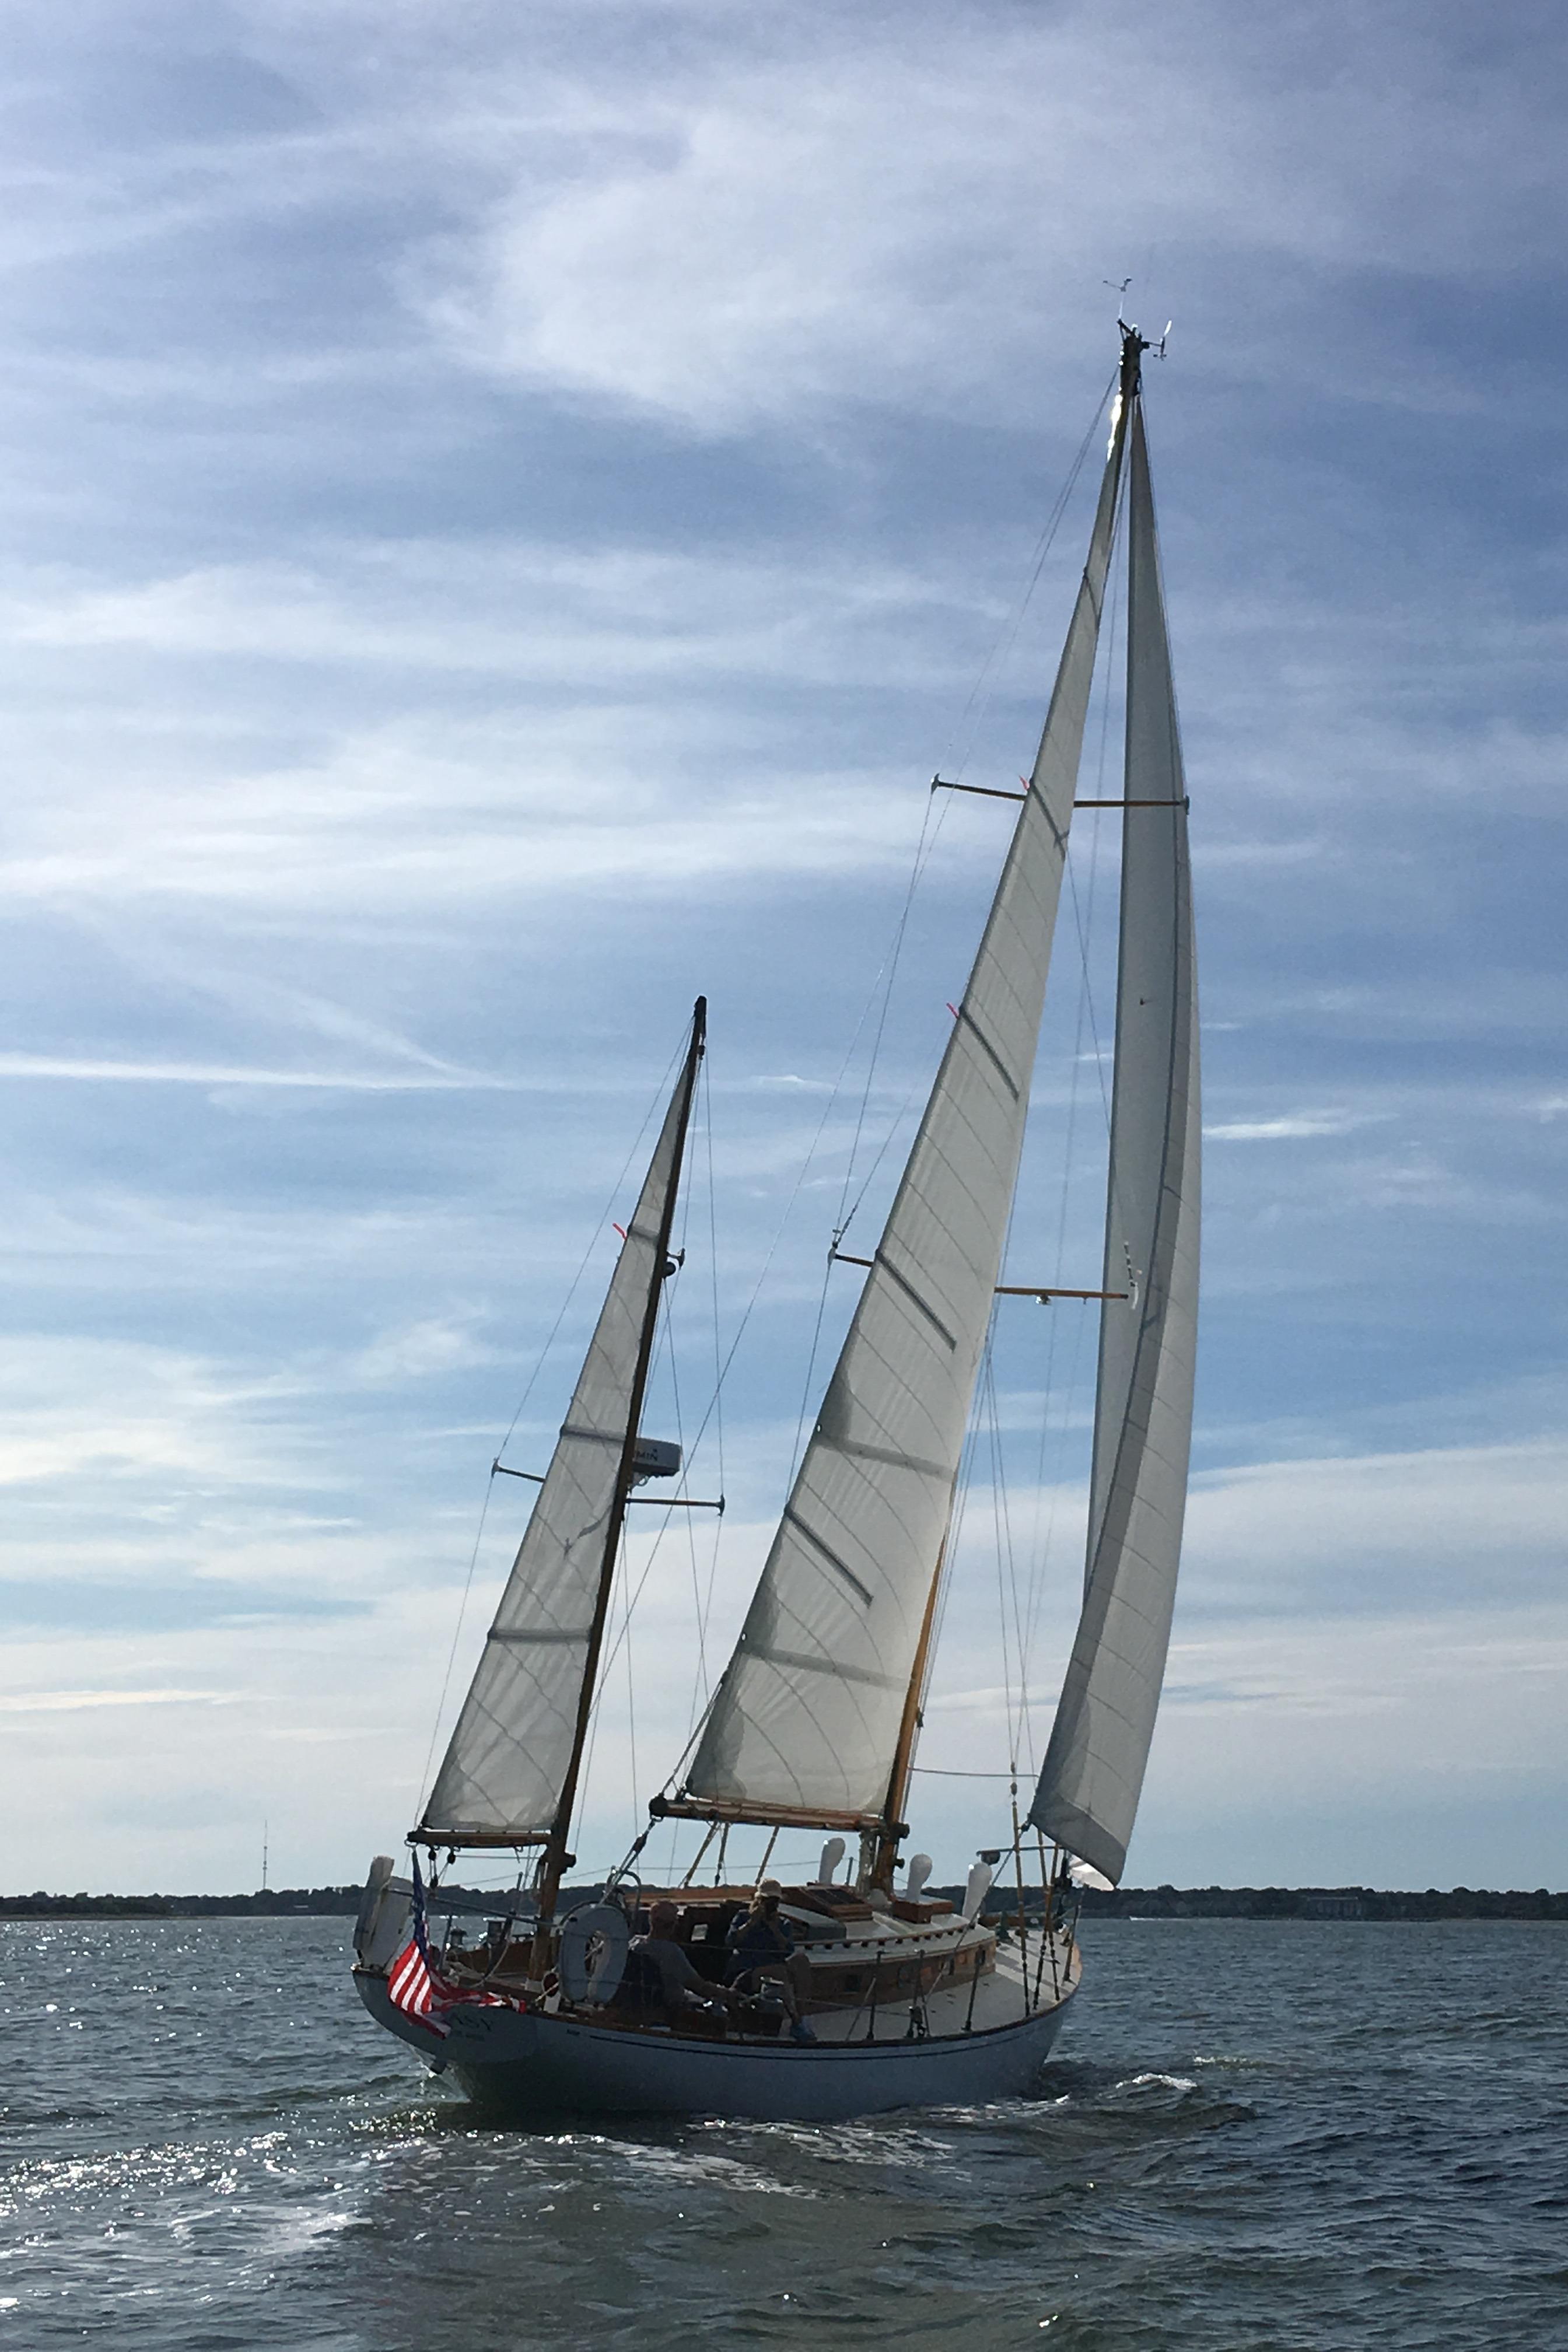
[{"x": 1300, "y": 2136}]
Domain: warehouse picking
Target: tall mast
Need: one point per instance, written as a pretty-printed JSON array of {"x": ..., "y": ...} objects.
[
  {"x": 556, "y": 1860},
  {"x": 501, "y": 1781},
  {"x": 884, "y": 1852},
  {"x": 813, "y": 1718},
  {"x": 1133, "y": 346},
  {"x": 1090, "y": 1782},
  {"x": 885, "y": 1847}
]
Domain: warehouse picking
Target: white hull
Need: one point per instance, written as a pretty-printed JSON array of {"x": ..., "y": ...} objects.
[{"x": 520, "y": 2066}]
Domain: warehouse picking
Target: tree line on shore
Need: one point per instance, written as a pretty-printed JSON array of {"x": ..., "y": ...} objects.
[
  {"x": 1317, "y": 1903},
  {"x": 1323, "y": 1903}
]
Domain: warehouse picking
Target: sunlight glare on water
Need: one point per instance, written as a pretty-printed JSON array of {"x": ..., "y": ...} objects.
[{"x": 1300, "y": 2136}]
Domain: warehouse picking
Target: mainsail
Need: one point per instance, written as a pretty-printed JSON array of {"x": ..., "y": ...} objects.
[
  {"x": 1093, "y": 1771},
  {"x": 806, "y": 1722},
  {"x": 511, "y": 1766}
]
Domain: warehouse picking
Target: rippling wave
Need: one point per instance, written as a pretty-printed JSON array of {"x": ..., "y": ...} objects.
[{"x": 1258, "y": 2138}]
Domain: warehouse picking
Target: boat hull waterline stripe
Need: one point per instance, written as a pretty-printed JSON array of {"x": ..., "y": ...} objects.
[{"x": 527, "y": 2064}]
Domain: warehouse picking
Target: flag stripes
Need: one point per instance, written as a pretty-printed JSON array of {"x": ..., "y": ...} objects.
[{"x": 416, "y": 1987}]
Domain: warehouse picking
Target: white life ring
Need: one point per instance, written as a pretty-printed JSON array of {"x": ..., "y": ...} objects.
[{"x": 592, "y": 1957}]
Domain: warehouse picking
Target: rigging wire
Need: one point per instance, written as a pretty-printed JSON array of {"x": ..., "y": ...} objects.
[
  {"x": 671, "y": 1504},
  {"x": 988, "y": 1410},
  {"x": 963, "y": 1491},
  {"x": 660, "y": 1097},
  {"x": 982, "y": 692},
  {"x": 457, "y": 1637},
  {"x": 718, "y": 1379},
  {"x": 880, "y": 997},
  {"x": 1020, "y": 1738},
  {"x": 774, "y": 1246},
  {"x": 976, "y": 707},
  {"x": 630, "y": 1596},
  {"x": 1042, "y": 1542},
  {"x": 667, "y": 1304},
  {"x": 885, "y": 981},
  {"x": 631, "y": 1719},
  {"x": 540, "y": 1361},
  {"x": 1019, "y": 1603},
  {"x": 1079, "y": 923}
]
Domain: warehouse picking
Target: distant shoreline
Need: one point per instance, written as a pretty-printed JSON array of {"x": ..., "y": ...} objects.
[
  {"x": 1309, "y": 1902},
  {"x": 1323, "y": 1903}
]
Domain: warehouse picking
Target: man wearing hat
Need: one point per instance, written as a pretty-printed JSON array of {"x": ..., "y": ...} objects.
[{"x": 762, "y": 1946}]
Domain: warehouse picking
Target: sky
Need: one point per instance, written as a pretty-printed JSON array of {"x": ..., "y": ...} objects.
[{"x": 505, "y": 512}]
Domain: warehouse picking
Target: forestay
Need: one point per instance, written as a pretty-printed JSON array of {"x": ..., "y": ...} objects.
[
  {"x": 507, "y": 1762},
  {"x": 806, "y": 1717},
  {"x": 1093, "y": 1772}
]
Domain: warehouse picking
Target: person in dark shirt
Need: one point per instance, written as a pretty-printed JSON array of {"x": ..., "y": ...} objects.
[
  {"x": 762, "y": 1945},
  {"x": 679, "y": 1983}
]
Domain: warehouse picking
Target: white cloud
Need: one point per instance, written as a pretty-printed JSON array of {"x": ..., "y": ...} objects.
[
  {"x": 386, "y": 630},
  {"x": 217, "y": 1074},
  {"x": 538, "y": 613},
  {"x": 1294, "y": 1127},
  {"x": 622, "y": 737},
  {"x": 1419, "y": 1527},
  {"x": 418, "y": 1350},
  {"x": 84, "y": 1410},
  {"x": 839, "y": 220},
  {"x": 68, "y": 1702}
]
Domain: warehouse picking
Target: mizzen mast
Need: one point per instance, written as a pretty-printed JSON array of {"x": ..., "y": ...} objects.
[
  {"x": 510, "y": 1774},
  {"x": 556, "y": 1860}
]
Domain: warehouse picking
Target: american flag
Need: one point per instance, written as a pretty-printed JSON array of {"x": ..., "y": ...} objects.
[{"x": 416, "y": 1986}]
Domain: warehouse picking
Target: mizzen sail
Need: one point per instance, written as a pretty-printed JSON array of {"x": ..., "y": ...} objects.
[
  {"x": 511, "y": 1760},
  {"x": 1093, "y": 1771},
  {"x": 806, "y": 1721}
]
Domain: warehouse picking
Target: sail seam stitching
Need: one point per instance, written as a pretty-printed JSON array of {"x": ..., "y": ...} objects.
[
  {"x": 986, "y": 1047},
  {"x": 885, "y": 1453},
  {"x": 522, "y": 1634},
  {"x": 830, "y": 1666},
  {"x": 828, "y": 1554},
  {"x": 913, "y": 1294}
]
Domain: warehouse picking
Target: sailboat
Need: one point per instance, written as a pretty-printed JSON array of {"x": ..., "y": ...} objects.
[{"x": 906, "y": 1999}]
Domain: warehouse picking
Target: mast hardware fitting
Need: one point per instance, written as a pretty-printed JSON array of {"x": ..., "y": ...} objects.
[
  {"x": 1029, "y": 1290},
  {"x": 788, "y": 1817},
  {"x": 475, "y": 1839},
  {"x": 1009, "y": 1289},
  {"x": 677, "y": 1502},
  {"x": 994, "y": 792},
  {"x": 665, "y": 1502}
]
